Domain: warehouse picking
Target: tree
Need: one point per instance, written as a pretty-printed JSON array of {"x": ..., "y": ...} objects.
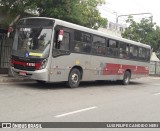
[
  {"x": 92, "y": 18},
  {"x": 82, "y": 12},
  {"x": 11, "y": 10},
  {"x": 145, "y": 32}
]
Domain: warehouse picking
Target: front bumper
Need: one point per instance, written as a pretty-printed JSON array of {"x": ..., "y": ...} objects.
[{"x": 35, "y": 75}]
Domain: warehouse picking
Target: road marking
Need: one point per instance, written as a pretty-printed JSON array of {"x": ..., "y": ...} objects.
[
  {"x": 74, "y": 112},
  {"x": 157, "y": 94}
]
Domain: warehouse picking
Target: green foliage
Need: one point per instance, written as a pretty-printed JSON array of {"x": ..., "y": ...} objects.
[
  {"x": 16, "y": 6},
  {"x": 10, "y": 9},
  {"x": 82, "y": 12},
  {"x": 90, "y": 14},
  {"x": 145, "y": 32},
  {"x": 6, "y": 17}
]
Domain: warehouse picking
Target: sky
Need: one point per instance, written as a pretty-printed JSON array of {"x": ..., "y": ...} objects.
[{"x": 114, "y": 8}]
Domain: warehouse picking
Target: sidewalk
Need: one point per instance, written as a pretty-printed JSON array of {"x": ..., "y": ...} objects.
[{"x": 4, "y": 78}]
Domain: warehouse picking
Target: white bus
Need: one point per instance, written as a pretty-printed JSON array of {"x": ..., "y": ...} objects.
[{"x": 52, "y": 50}]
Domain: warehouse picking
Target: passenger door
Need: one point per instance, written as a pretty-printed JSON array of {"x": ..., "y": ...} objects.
[{"x": 60, "y": 63}]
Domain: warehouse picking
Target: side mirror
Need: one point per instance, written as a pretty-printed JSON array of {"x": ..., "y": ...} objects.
[{"x": 60, "y": 35}]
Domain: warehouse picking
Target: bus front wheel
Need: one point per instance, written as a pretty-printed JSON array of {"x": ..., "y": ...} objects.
[
  {"x": 74, "y": 78},
  {"x": 126, "y": 78}
]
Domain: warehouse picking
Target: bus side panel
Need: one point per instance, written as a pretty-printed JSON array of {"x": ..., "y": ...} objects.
[
  {"x": 105, "y": 68},
  {"x": 62, "y": 65}
]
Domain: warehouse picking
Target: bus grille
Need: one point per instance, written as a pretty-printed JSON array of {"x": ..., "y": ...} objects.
[{"x": 27, "y": 68}]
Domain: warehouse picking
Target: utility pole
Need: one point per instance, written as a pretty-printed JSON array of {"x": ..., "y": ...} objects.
[{"x": 116, "y": 20}]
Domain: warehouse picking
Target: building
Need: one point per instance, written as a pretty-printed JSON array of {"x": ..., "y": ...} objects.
[{"x": 113, "y": 28}]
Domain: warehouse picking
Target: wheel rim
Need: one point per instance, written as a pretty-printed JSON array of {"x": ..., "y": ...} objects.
[
  {"x": 127, "y": 78},
  {"x": 74, "y": 78}
]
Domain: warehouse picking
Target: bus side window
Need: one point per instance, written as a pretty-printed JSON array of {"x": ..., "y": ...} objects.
[
  {"x": 77, "y": 47},
  {"x": 82, "y": 42},
  {"x": 133, "y": 52},
  {"x": 123, "y": 50},
  {"x": 64, "y": 44},
  {"x": 148, "y": 55},
  {"x": 98, "y": 47},
  {"x": 112, "y": 50},
  {"x": 142, "y": 53},
  {"x": 78, "y": 38},
  {"x": 56, "y": 44},
  {"x": 86, "y": 43}
]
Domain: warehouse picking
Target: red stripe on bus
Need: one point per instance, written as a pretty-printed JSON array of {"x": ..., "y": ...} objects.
[
  {"x": 119, "y": 69},
  {"x": 37, "y": 65}
]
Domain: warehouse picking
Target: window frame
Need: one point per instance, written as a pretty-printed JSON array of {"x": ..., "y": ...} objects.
[
  {"x": 110, "y": 49},
  {"x": 100, "y": 46},
  {"x": 82, "y": 42},
  {"x": 126, "y": 52}
]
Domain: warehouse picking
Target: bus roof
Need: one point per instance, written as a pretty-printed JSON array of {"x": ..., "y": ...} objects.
[{"x": 88, "y": 30}]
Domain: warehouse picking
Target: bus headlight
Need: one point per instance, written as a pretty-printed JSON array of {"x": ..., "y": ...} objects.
[{"x": 43, "y": 64}]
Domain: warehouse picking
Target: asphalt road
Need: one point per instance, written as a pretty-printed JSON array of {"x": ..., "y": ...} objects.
[{"x": 91, "y": 102}]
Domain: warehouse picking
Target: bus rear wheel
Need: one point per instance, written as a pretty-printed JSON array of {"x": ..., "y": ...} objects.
[
  {"x": 74, "y": 78},
  {"x": 126, "y": 78}
]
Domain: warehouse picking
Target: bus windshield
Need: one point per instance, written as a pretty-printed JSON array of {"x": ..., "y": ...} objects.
[{"x": 32, "y": 41}]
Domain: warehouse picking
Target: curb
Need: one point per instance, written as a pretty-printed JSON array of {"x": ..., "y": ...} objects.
[{"x": 5, "y": 80}]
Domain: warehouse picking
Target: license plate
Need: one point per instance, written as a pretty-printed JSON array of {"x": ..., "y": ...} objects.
[{"x": 22, "y": 73}]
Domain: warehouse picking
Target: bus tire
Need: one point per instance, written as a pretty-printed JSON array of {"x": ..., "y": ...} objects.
[
  {"x": 74, "y": 78},
  {"x": 126, "y": 78}
]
